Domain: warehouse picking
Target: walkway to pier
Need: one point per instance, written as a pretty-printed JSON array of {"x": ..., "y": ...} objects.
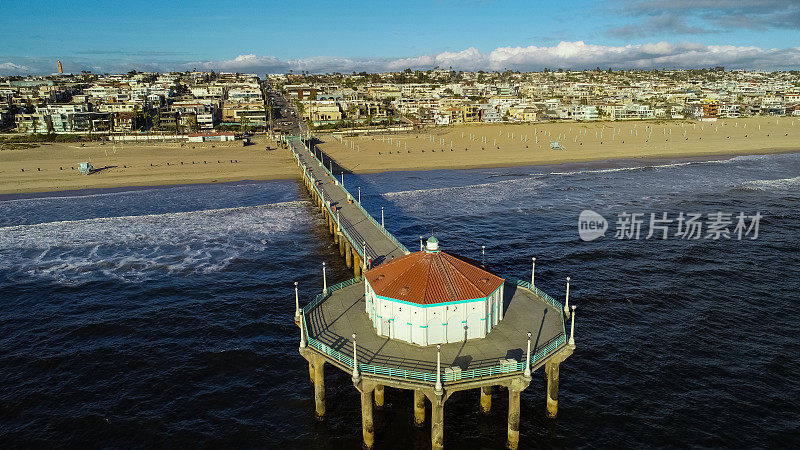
[{"x": 358, "y": 226}]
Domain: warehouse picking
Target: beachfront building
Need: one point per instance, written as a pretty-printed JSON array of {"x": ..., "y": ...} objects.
[{"x": 432, "y": 297}]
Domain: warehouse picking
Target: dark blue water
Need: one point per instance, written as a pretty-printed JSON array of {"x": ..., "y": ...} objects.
[{"x": 163, "y": 317}]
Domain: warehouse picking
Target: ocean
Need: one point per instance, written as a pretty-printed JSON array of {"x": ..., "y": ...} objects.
[{"x": 163, "y": 317}]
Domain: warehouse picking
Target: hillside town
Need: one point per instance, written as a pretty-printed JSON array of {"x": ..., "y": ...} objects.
[{"x": 181, "y": 103}]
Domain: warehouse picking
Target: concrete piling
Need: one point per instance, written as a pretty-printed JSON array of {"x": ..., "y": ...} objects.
[
  {"x": 356, "y": 266},
  {"x": 311, "y": 371},
  {"x": 341, "y": 245},
  {"x": 319, "y": 388},
  {"x": 513, "y": 418},
  {"x": 486, "y": 399},
  {"x": 551, "y": 370},
  {"x": 379, "y": 399},
  {"x": 419, "y": 408},
  {"x": 367, "y": 427},
  {"x": 437, "y": 423},
  {"x": 348, "y": 258}
]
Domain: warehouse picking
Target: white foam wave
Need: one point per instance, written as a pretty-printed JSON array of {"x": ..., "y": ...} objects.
[
  {"x": 131, "y": 247},
  {"x": 523, "y": 183},
  {"x": 780, "y": 183},
  {"x": 623, "y": 169}
]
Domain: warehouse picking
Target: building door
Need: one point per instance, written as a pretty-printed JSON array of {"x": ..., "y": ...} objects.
[
  {"x": 386, "y": 327},
  {"x": 474, "y": 326},
  {"x": 455, "y": 329},
  {"x": 434, "y": 330}
]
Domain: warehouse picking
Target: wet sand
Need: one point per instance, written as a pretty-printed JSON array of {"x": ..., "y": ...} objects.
[
  {"x": 507, "y": 145},
  {"x": 54, "y": 167}
]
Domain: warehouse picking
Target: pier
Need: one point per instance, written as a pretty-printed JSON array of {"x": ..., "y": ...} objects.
[{"x": 530, "y": 333}]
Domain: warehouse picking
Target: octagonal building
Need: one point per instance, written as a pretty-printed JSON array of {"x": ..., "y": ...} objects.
[{"x": 432, "y": 297}]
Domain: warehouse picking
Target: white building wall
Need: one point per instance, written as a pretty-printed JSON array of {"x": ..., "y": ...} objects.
[{"x": 434, "y": 324}]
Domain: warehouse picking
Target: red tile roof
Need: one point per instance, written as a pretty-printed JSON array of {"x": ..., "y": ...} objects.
[{"x": 428, "y": 278}]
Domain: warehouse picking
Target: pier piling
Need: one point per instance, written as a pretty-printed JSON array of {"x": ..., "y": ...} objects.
[
  {"x": 551, "y": 370},
  {"x": 419, "y": 408},
  {"x": 513, "y": 417},
  {"x": 319, "y": 387},
  {"x": 379, "y": 399},
  {"x": 437, "y": 422},
  {"x": 367, "y": 426},
  {"x": 486, "y": 399}
]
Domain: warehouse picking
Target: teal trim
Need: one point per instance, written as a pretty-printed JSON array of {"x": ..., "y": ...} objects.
[
  {"x": 423, "y": 326},
  {"x": 431, "y": 305}
]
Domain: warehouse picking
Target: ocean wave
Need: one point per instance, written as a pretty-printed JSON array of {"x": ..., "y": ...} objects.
[
  {"x": 624, "y": 169},
  {"x": 780, "y": 183},
  {"x": 530, "y": 182},
  {"x": 134, "y": 247}
]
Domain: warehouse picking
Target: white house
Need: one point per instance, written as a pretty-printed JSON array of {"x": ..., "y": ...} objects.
[{"x": 432, "y": 297}]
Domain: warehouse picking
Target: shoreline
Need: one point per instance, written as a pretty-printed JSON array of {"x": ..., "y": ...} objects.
[
  {"x": 663, "y": 158},
  {"x": 607, "y": 163}
]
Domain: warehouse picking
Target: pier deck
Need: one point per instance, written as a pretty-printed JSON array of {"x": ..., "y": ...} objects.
[
  {"x": 342, "y": 313},
  {"x": 359, "y": 227}
]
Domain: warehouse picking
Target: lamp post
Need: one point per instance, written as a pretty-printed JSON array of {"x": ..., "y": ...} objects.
[
  {"x": 483, "y": 255},
  {"x": 438, "y": 387},
  {"x": 296, "y": 304},
  {"x": 533, "y": 271},
  {"x": 528, "y": 359},
  {"x": 566, "y": 301},
  {"x": 343, "y": 178},
  {"x": 572, "y": 328},
  {"x": 359, "y": 195},
  {"x": 303, "y": 343},
  {"x": 420, "y": 244},
  {"x": 382, "y": 225},
  {"x": 324, "y": 280},
  {"x": 356, "y": 375}
]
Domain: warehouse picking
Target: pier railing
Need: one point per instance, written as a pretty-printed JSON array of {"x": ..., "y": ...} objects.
[
  {"x": 537, "y": 291},
  {"x": 348, "y": 193},
  {"x": 502, "y": 368}
]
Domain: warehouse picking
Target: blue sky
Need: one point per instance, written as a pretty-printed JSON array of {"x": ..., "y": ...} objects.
[{"x": 376, "y": 35}]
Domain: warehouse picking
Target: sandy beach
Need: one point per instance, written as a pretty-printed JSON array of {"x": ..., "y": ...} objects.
[
  {"x": 53, "y": 167},
  {"x": 505, "y": 145}
]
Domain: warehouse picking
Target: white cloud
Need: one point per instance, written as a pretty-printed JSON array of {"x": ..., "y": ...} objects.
[
  {"x": 567, "y": 55},
  {"x": 13, "y": 68}
]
